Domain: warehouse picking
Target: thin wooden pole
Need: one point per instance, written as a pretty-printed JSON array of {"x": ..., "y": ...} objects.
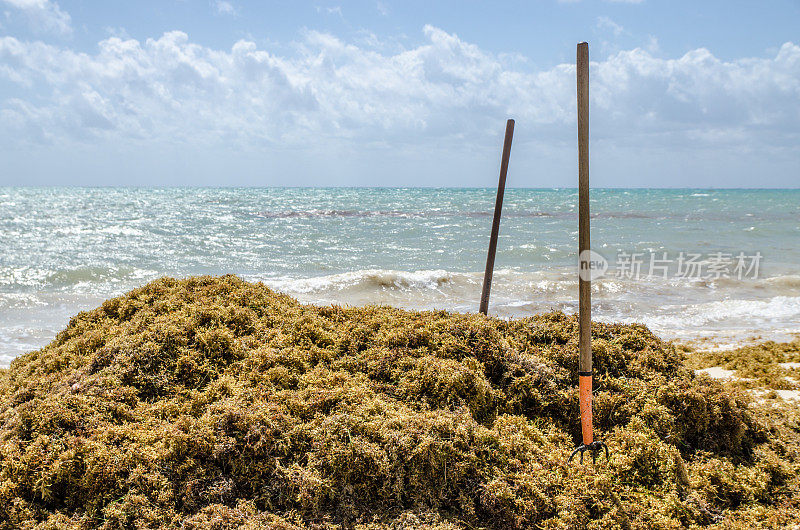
[
  {"x": 498, "y": 207},
  {"x": 585, "y": 258},
  {"x": 584, "y": 286}
]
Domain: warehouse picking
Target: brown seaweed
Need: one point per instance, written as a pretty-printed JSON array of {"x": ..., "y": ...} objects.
[{"x": 217, "y": 403}]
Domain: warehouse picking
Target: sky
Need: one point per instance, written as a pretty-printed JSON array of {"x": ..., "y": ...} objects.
[{"x": 397, "y": 93}]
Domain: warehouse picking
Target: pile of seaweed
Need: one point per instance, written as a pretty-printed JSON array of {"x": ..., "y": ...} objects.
[
  {"x": 217, "y": 403},
  {"x": 769, "y": 364}
]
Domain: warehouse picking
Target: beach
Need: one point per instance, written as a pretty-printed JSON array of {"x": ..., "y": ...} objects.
[
  {"x": 295, "y": 358},
  {"x": 276, "y": 265}
]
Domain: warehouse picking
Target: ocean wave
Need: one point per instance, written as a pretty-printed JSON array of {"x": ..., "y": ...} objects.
[
  {"x": 552, "y": 280},
  {"x": 519, "y": 214},
  {"x": 778, "y": 312},
  {"x": 369, "y": 279},
  {"x": 88, "y": 277},
  {"x": 624, "y": 215},
  {"x": 672, "y": 307},
  {"x": 790, "y": 281},
  {"x": 409, "y": 214},
  {"x": 124, "y": 231},
  {"x": 405, "y": 214},
  {"x": 782, "y": 284}
]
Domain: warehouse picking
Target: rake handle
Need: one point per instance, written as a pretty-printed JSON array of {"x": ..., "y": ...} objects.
[{"x": 584, "y": 286}]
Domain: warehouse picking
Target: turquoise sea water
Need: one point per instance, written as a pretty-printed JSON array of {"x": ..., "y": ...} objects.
[{"x": 67, "y": 249}]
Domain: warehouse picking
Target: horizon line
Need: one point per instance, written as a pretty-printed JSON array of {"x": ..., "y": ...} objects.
[{"x": 555, "y": 188}]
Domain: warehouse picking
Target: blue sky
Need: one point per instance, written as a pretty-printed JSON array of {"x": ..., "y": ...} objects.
[{"x": 383, "y": 93}]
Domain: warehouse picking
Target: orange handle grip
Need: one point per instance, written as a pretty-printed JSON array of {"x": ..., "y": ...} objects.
[{"x": 585, "y": 396}]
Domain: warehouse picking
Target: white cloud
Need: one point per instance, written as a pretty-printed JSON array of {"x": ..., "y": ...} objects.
[
  {"x": 223, "y": 7},
  {"x": 119, "y": 32},
  {"x": 652, "y": 44},
  {"x": 335, "y": 10},
  {"x": 605, "y": 22},
  {"x": 43, "y": 15},
  {"x": 174, "y": 91}
]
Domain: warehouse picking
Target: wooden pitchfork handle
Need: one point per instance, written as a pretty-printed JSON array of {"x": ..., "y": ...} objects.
[{"x": 584, "y": 285}]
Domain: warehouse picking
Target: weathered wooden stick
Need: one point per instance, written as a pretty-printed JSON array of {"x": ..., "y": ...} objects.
[
  {"x": 584, "y": 286},
  {"x": 585, "y": 264},
  {"x": 498, "y": 207}
]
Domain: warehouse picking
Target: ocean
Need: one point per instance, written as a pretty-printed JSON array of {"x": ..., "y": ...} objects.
[{"x": 722, "y": 265}]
